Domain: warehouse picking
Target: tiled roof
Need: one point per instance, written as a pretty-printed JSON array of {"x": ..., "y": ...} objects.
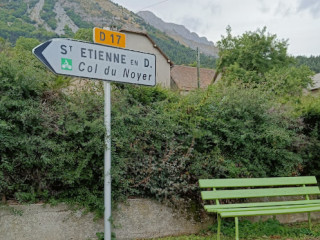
[{"x": 186, "y": 77}]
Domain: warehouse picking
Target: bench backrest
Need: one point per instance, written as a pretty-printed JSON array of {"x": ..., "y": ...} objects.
[{"x": 258, "y": 187}]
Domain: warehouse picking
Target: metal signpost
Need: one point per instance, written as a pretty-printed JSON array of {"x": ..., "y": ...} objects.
[{"x": 82, "y": 59}]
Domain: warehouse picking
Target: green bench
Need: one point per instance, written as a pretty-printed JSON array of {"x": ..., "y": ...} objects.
[{"x": 243, "y": 188}]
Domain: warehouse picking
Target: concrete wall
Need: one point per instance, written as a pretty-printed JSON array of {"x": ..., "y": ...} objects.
[
  {"x": 40, "y": 222},
  {"x": 143, "y": 218},
  {"x": 138, "y": 218}
]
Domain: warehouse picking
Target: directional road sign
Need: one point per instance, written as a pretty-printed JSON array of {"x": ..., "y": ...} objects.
[{"x": 88, "y": 60}]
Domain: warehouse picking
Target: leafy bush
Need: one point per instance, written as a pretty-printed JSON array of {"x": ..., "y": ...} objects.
[
  {"x": 225, "y": 132},
  {"x": 241, "y": 132},
  {"x": 52, "y": 140},
  {"x": 151, "y": 148},
  {"x": 22, "y": 141},
  {"x": 295, "y": 79},
  {"x": 313, "y": 62},
  {"x": 309, "y": 111}
]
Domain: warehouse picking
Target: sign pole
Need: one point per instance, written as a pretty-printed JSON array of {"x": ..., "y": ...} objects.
[{"x": 107, "y": 160}]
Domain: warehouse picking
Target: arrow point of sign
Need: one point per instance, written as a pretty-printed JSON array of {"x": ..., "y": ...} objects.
[{"x": 38, "y": 50}]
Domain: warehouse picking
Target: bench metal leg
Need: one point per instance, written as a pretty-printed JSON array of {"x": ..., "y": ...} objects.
[
  {"x": 309, "y": 220},
  {"x": 237, "y": 227},
  {"x": 219, "y": 227}
]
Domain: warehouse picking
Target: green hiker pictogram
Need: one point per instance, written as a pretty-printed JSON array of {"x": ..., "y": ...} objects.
[{"x": 66, "y": 64}]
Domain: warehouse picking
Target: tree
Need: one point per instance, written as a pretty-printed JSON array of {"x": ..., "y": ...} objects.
[
  {"x": 26, "y": 43},
  {"x": 84, "y": 34},
  {"x": 68, "y": 31},
  {"x": 253, "y": 51},
  {"x": 313, "y": 62},
  {"x": 260, "y": 58}
]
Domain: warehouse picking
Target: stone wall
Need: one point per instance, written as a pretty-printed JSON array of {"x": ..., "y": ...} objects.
[
  {"x": 138, "y": 218},
  {"x": 41, "y": 222},
  {"x": 135, "y": 219}
]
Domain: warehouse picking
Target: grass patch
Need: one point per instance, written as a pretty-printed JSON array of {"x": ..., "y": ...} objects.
[{"x": 270, "y": 229}]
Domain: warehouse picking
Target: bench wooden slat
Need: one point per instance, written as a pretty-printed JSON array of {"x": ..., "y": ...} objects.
[
  {"x": 214, "y": 208},
  {"x": 268, "y": 208},
  {"x": 270, "y": 212},
  {"x": 264, "y": 192},
  {"x": 256, "y": 182}
]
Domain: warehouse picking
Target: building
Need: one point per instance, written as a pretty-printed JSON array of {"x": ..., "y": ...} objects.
[
  {"x": 184, "y": 78},
  {"x": 316, "y": 84},
  {"x": 141, "y": 41}
]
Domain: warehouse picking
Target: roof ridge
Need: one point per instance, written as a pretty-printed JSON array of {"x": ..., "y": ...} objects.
[{"x": 151, "y": 40}]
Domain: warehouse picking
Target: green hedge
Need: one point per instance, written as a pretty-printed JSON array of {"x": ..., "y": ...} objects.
[{"x": 51, "y": 143}]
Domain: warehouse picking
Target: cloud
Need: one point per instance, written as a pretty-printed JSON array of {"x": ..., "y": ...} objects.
[
  {"x": 196, "y": 16},
  {"x": 192, "y": 23},
  {"x": 212, "y": 8},
  {"x": 284, "y": 9},
  {"x": 313, "y": 6},
  {"x": 263, "y": 7}
]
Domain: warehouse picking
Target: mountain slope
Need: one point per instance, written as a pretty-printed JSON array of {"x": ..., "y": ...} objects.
[
  {"x": 180, "y": 33},
  {"x": 45, "y": 19}
]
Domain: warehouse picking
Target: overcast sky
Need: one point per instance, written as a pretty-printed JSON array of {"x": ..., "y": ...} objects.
[{"x": 295, "y": 20}]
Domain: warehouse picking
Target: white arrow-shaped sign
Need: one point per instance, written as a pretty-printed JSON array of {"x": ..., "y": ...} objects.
[{"x": 88, "y": 60}]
